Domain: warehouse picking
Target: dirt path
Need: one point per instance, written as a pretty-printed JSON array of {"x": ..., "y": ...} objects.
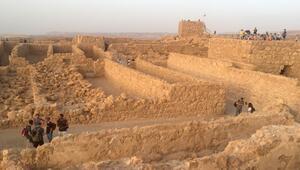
[{"x": 11, "y": 138}]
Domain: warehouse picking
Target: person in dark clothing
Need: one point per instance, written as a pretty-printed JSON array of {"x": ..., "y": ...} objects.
[
  {"x": 239, "y": 106},
  {"x": 63, "y": 125},
  {"x": 37, "y": 135},
  {"x": 255, "y": 31},
  {"x": 284, "y": 34},
  {"x": 50, "y": 129},
  {"x": 26, "y": 132},
  {"x": 38, "y": 120},
  {"x": 251, "y": 108}
]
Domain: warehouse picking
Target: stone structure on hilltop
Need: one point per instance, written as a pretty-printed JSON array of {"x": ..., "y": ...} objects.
[
  {"x": 159, "y": 104},
  {"x": 189, "y": 28}
]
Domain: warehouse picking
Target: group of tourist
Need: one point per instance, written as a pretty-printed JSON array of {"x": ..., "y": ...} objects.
[
  {"x": 248, "y": 35},
  {"x": 239, "y": 104},
  {"x": 34, "y": 131}
]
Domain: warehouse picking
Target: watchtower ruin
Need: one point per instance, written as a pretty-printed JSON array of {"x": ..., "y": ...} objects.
[{"x": 189, "y": 28}]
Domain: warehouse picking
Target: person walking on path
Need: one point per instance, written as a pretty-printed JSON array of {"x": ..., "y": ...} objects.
[
  {"x": 37, "y": 134},
  {"x": 26, "y": 132}
]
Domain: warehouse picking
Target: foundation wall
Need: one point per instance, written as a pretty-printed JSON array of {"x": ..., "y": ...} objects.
[
  {"x": 260, "y": 88},
  {"x": 2, "y": 59},
  {"x": 198, "y": 47},
  {"x": 136, "y": 82},
  {"x": 161, "y": 72},
  {"x": 62, "y": 49},
  {"x": 99, "y": 52},
  {"x": 268, "y": 56},
  {"x": 150, "y": 143},
  {"x": 89, "y": 40},
  {"x": 29, "y": 53}
]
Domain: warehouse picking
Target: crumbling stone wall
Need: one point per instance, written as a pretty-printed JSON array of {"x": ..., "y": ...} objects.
[
  {"x": 5, "y": 50},
  {"x": 260, "y": 88},
  {"x": 272, "y": 147},
  {"x": 277, "y": 57},
  {"x": 24, "y": 54},
  {"x": 136, "y": 82},
  {"x": 189, "y": 28},
  {"x": 150, "y": 144},
  {"x": 2, "y": 59},
  {"x": 197, "y": 46},
  {"x": 62, "y": 48},
  {"x": 15, "y": 97},
  {"x": 89, "y": 41}
]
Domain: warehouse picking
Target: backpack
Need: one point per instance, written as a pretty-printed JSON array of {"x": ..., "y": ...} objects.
[
  {"x": 24, "y": 131},
  {"x": 36, "y": 134}
]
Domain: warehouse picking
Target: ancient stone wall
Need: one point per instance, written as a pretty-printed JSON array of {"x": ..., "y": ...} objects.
[
  {"x": 15, "y": 97},
  {"x": 28, "y": 53},
  {"x": 142, "y": 85},
  {"x": 277, "y": 57},
  {"x": 89, "y": 40},
  {"x": 98, "y": 52},
  {"x": 260, "y": 88},
  {"x": 161, "y": 72},
  {"x": 198, "y": 47},
  {"x": 62, "y": 49},
  {"x": 150, "y": 144},
  {"x": 189, "y": 28},
  {"x": 1, "y": 53},
  {"x": 272, "y": 147}
]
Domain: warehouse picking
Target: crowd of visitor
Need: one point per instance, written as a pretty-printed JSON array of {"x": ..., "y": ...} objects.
[
  {"x": 34, "y": 131},
  {"x": 239, "y": 105},
  {"x": 248, "y": 35}
]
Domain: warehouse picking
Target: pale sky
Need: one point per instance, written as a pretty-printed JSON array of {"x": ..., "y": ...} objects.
[{"x": 42, "y": 16}]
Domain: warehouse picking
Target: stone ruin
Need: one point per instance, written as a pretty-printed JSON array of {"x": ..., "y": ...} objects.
[
  {"x": 181, "y": 90},
  {"x": 189, "y": 28}
]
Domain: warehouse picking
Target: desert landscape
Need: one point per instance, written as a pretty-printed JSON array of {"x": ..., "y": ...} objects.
[{"x": 166, "y": 103}]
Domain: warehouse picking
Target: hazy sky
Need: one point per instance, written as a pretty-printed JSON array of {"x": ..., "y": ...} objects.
[{"x": 41, "y": 16}]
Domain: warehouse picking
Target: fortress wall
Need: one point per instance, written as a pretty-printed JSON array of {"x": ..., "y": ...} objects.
[
  {"x": 191, "y": 28},
  {"x": 268, "y": 56},
  {"x": 1, "y": 52},
  {"x": 6, "y": 48},
  {"x": 260, "y": 88},
  {"x": 62, "y": 49},
  {"x": 198, "y": 47},
  {"x": 87, "y": 49},
  {"x": 89, "y": 40},
  {"x": 99, "y": 52},
  {"x": 161, "y": 72},
  {"x": 29, "y": 53},
  {"x": 136, "y": 82},
  {"x": 151, "y": 143},
  {"x": 9, "y": 45},
  {"x": 37, "y": 49}
]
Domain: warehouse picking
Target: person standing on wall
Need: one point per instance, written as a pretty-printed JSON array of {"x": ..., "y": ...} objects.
[
  {"x": 255, "y": 31},
  {"x": 284, "y": 34},
  {"x": 63, "y": 125}
]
